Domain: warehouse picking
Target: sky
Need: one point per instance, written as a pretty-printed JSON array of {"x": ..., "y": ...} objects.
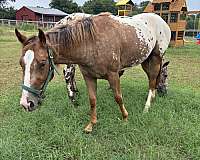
[{"x": 192, "y": 4}]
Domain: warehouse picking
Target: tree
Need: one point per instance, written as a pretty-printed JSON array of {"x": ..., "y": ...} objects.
[
  {"x": 2, "y": 2},
  {"x": 7, "y": 13},
  {"x": 137, "y": 9},
  {"x": 67, "y": 6},
  {"x": 143, "y": 5},
  {"x": 98, "y": 6}
]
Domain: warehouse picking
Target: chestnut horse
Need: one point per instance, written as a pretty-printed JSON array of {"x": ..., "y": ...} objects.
[
  {"x": 69, "y": 69},
  {"x": 101, "y": 45}
]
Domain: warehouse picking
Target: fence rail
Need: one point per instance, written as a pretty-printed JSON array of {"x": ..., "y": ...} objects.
[
  {"x": 48, "y": 25},
  {"x": 192, "y": 32},
  {"x": 37, "y": 24}
]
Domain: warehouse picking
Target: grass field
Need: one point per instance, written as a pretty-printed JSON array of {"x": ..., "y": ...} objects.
[{"x": 171, "y": 129}]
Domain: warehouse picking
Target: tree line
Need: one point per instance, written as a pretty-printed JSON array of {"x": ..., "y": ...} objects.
[{"x": 69, "y": 6}]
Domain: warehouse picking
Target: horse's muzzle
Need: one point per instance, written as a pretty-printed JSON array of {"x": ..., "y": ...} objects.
[
  {"x": 162, "y": 91},
  {"x": 29, "y": 104}
]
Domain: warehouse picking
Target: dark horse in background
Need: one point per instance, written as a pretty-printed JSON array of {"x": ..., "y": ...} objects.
[{"x": 102, "y": 46}]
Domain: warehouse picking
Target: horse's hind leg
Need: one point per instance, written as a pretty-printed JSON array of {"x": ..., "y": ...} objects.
[
  {"x": 114, "y": 81},
  {"x": 152, "y": 68}
]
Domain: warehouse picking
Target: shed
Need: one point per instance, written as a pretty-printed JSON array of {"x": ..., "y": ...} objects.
[{"x": 39, "y": 14}]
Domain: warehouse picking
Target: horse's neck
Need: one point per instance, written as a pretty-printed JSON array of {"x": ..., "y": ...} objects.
[
  {"x": 75, "y": 54},
  {"x": 64, "y": 55}
]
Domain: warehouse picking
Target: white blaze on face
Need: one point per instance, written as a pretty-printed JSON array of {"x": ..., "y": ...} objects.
[{"x": 28, "y": 59}]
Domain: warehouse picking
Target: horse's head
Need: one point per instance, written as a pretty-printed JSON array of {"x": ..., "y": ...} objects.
[
  {"x": 36, "y": 64},
  {"x": 163, "y": 82}
]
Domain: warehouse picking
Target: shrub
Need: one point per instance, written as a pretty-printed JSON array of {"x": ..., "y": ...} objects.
[{"x": 26, "y": 27}]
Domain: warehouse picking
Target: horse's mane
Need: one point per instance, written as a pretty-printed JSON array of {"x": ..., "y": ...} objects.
[{"x": 72, "y": 33}]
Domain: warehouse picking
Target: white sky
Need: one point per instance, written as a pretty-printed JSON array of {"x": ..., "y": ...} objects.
[{"x": 192, "y": 4}]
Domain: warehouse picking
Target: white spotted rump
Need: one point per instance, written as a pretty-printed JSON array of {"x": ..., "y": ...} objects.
[{"x": 150, "y": 29}]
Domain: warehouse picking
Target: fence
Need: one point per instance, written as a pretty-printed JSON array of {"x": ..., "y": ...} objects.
[
  {"x": 192, "y": 32},
  {"x": 37, "y": 24},
  {"x": 48, "y": 25}
]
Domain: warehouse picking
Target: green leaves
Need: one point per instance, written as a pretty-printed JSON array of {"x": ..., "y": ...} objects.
[
  {"x": 98, "y": 6},
  {"x": 67, "y": 6}
]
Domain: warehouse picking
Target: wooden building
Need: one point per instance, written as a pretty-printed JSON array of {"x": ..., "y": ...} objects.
[
  {"x": 39, "y": 14},
  {"x": 174, "y": 12},
  {"x": 125, "y": 7}
]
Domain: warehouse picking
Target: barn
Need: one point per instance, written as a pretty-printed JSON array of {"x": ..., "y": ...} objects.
[{"x": 39, "y": 14}]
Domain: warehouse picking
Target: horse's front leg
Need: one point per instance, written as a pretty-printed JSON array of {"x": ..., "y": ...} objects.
[
  {"x": 152, "y": 68},
  {"x": 151, "y": 94},
  {"x": 92, "y": 88},
  {"x": 114, "y": 81}
]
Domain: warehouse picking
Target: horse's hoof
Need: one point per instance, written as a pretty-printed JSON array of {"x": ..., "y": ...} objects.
[
  {"x": 125, "y": 119},
  {"x": 88, "y": 128},
  {"x": 146, "y": 109},
  {"x": 125, "y": 115}
]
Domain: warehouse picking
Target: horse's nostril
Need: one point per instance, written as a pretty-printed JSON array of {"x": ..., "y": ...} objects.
[{"x": 31, "y": 106}]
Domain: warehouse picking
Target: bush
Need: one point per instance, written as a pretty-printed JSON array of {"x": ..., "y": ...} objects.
[{"x": 26, "y": 27}]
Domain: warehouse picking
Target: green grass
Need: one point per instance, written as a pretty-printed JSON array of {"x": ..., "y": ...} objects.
[{"x": 171, "y": 129}]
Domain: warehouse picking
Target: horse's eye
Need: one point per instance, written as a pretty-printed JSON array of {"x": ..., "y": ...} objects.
[{"x": 42, "y": 63}]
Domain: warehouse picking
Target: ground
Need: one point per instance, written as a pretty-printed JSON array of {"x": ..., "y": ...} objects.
[{"x": 171, "y": 129}]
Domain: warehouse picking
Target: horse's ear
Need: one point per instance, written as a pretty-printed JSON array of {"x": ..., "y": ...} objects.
[
  {"x": 42, "y": 37},
  {"x": 165, "y": 64},
  {"x": 20, "y": 37}
]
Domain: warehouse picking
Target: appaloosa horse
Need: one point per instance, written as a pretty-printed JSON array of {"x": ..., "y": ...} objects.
[{"x": 101, "y": 45}]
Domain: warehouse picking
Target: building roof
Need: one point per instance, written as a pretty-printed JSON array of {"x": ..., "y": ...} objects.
[
  {"x": 193, "y": 12},
  {"x": 175, "y": 5},
  {"x": 47, "y": 11},
  {"x": 123, "y": 2}
]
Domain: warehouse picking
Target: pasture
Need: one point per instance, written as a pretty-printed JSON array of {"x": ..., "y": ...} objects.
[{"x": 170, "y": 130}]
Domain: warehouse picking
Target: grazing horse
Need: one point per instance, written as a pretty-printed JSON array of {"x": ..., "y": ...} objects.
[
  {"x": 69, "y": 75},
  {"x": 101, "y": 45}
]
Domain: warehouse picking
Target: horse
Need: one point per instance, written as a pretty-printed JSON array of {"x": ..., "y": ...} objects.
[
  {"x": 69, "y": 69},
  {"x": 102, "y": 45},
  {"x": 69, "y": 75}
]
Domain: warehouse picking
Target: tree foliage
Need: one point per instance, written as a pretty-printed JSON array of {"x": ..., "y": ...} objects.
[
  {"x": 137, "y": 9},
  {"x": 193, "y": 22},
  {"x": 2, "y": 2},
  {"x": 67, "y": 6},
  {"x": 7, "y": 13},
  {"x": 98, "y": 6}
]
